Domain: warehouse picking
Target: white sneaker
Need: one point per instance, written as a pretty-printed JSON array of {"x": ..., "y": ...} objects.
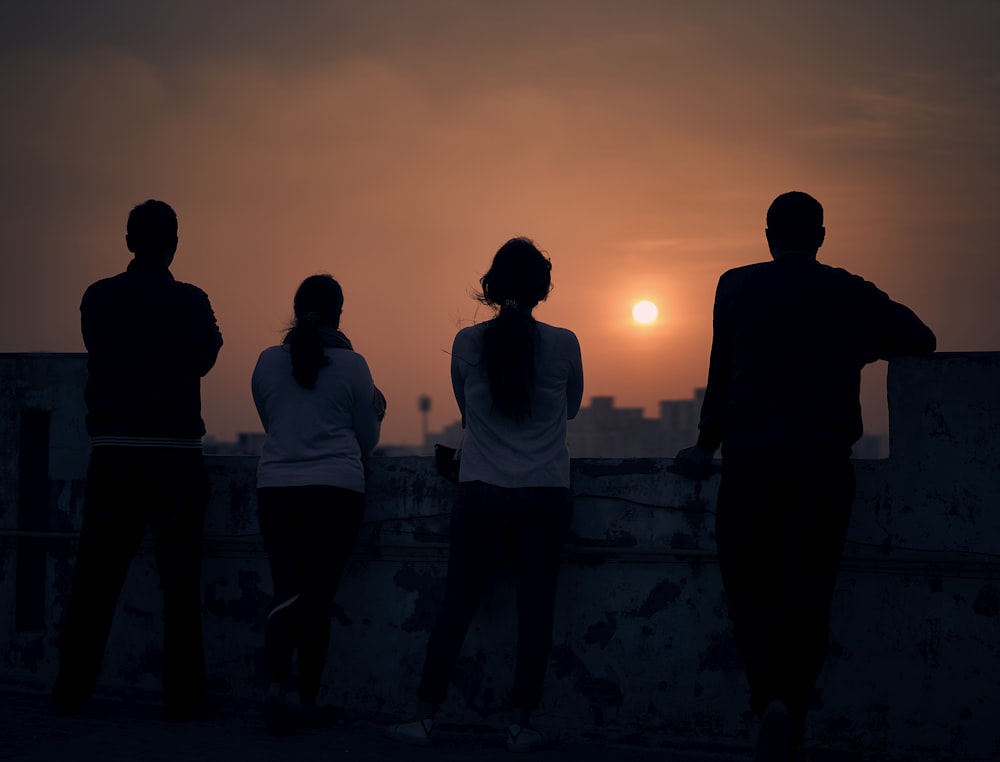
[
  {"x": 416, "y": 733},
  {"x": 520, "y": 739}
]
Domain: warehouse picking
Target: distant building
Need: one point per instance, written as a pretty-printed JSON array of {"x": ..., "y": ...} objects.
[
  {"x": 247, "y": 443},
  {"x": 600, "y": 430},
  {"x": 605, "y": 431},
  {"x": 397, "y": 451}
]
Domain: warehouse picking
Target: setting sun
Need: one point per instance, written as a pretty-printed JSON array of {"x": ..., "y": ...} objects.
[{"x": 644, "y": 312}]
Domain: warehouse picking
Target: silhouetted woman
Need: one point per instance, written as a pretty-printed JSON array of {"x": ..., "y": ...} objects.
[
  {"x": 321, "y": 414},
  {"x": 516, "y": 381}
]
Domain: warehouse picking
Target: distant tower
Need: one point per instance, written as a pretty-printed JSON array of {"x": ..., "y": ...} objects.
[{"x": 424, "y": 404}]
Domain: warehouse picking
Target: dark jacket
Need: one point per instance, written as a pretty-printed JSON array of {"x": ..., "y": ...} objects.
[
  {"x": 790, "y": 339},
  {"x": 150, "y": 339}
]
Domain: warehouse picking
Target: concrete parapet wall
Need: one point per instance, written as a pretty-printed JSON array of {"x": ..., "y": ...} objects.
[{"x": 642, "y": 648}]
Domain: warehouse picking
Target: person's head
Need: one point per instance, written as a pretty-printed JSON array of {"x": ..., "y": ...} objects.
[
  {"x": 520, "y": 277},
  {"x": 151, "y": 233},
  {"x": 319, "y": 302},
  {"x": 795, "y": 225}
]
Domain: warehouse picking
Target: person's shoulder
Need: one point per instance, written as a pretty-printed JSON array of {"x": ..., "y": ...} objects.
[
  {"x": 472, "y": 331},
  {"x": 273, "y": 354},
  {"x": 346, "y": 358},
  {"x": 555, "y": 330},
  {"x": 104, "y": 294},
  {"x": 743, "y": 273},
  {"x": 103, "y": 284},
  {"x": 470, "y": 335},
  {"x": 558, "y": 334},
  {"x": 467, "y": 346},
  {"x": 346, "y": 355},
  {"x": 737, "y": 277},
  {"x": 191, "y": 290},
  {"x": 272, "y": 362},
  {"x": 747, "y": 269},
  {"x": 847, "y": 280}
]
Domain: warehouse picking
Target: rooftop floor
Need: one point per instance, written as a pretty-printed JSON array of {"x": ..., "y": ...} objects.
[{"x": 120, "y": 728}]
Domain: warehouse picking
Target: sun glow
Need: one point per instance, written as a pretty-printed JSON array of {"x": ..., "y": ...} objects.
[{"x": 645, "y": 312}]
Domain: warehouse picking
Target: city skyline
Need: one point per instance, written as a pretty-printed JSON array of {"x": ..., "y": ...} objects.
[
  {"x": 601, "y": 429},
  {"x": 398, "y": 145}
]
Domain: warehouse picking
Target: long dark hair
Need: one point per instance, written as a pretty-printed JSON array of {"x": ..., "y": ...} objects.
[
  {"x": 318, "y": 304},
  {"x": 519, "y": 278}
]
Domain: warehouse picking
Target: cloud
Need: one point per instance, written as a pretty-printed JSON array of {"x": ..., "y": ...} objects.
[{"x": 397, "y": 145}]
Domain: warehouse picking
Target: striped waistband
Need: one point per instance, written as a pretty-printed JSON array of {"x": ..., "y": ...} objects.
[{"x": 176, "y": 442}]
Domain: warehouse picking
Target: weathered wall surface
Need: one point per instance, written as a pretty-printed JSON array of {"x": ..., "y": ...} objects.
[{"x": 642, "y": 648}]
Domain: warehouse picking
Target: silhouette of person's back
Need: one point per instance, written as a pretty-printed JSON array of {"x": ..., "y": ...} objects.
[
  {"x": 321, "y": 414},
  {"x": 517, "y": 381},
  {"x": 793, "y": 335},
  {"x": 790, "y": 339},
  {"x": 150, "y": 339}
]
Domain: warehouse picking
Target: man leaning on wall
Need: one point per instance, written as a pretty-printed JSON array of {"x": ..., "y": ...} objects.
[
  {"x": 149, "y": 340},
  {"x": 790, "y": 338}
]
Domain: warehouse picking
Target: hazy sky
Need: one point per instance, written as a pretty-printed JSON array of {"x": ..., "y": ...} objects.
[{"x": 396, "y": 145}]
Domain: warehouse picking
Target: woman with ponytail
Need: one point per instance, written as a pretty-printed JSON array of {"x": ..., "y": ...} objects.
[
  {"x": 321, "y": 414},
  {"x": 517, "y": 381}
]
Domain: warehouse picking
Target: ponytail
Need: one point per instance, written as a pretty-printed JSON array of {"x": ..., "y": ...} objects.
[
  {"x": 306, "y": 345},
  {"x": 518, "y": 279},
  {"x": 509, "y": 354},
  {"x": 319, "y": 301}
]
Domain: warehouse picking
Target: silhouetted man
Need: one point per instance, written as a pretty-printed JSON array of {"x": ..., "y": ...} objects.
[
  {"x": 782, "y": 400},
  {"x": 150, "y": 339}
]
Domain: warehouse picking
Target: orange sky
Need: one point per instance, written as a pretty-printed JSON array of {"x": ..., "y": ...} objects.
[{"x": 397, "y": 144}]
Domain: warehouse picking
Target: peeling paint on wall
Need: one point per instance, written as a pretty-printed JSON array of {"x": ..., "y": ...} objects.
[
  {"x": 987, "y": 602},
  {"x": 643, "y": 645},
  {"x": 429, "y": 587},
  {"x": 602, "y": 693},
  {"x": 662, "y": 595},
  {"x": 474, "y": 681},
  {"x": 600, "y": 633},
  {"x": 720, "y": 655},
  {"x": 250, "y": 607}
]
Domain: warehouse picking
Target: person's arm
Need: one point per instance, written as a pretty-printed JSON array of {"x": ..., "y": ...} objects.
[
  {"x": 719, "y": 371},
  {"x": 574, "y": 384},
  {"x": 257, "y": 390},
  {"x": 93, "y": 319},
  {"x": 457, "y": 376},
  {"x": 900, "y": 331},
  {"x": 208, "y": 339},
  {"x": 695, "y": 461},
  {"x": 86, "y": 320},
  {"x": 364, "y": 416},
  {"x": 379, "y": 405},
  {"x": 339, "y": 340}
]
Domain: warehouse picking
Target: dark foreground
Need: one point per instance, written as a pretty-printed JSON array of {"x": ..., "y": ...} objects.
[{"x": 120, "y": 728}]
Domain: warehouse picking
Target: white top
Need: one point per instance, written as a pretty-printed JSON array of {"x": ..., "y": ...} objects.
[
  {"x": 505, "y": 452},
  {"x": 315, "y": 436}
]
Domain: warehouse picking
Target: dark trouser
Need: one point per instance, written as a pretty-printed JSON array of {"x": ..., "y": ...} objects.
[
  {"x": 129, "y": 489},
  {"x": 308, "y": 533},
  {"x": 487, "y": 523},
  {"x": 780, "y": 531}
]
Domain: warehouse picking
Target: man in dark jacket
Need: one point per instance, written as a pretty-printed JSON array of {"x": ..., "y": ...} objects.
[
  {"x": 790, "y": 339},
  {"x": 150, "y": 339}
]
